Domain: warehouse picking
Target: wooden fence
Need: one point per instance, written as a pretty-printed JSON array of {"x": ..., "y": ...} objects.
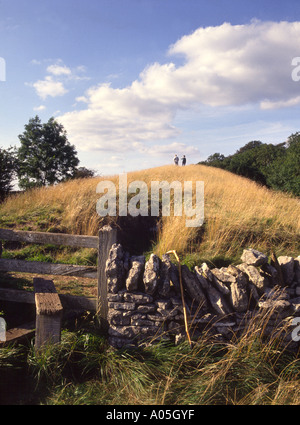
[{"x": 48, "y": 307}]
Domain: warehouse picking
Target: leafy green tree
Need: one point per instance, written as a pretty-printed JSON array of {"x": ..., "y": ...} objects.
[
  {"x": 7, "y": 171},
  {"x": 45, "y": 157},
  {"x": 217, "y": 160},
  {"x": 276, "y": 166},
  {"x": 266, "y": 154},
  {"x": 285, "y": 172},
  {"x": 216, "y": 157},
  {"x": 245, "y": 164},
  {"x": 250, "y": 145},
  {"x": 293, "y": 139},
  {"x": 83, "y": 173},
  {"x": 255, "y": 160}
]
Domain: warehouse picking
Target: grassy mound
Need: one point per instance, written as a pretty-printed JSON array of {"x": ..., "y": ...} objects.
[{"x": 238, "y": 213}]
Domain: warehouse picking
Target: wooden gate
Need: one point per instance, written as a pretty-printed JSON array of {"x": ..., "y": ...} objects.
[{"x": 53, "y": 304}]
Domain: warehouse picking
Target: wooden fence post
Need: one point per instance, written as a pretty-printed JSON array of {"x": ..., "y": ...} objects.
[
  {"x": 107, "y": 237},
  {"x": 48, "y": 313}
]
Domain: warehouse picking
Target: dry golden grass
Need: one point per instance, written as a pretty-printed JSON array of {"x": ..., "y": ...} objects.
[{"x": 238, "y": 212}]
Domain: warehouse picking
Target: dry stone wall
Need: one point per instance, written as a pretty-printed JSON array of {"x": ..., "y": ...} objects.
[{"x": 145, "y": 303}]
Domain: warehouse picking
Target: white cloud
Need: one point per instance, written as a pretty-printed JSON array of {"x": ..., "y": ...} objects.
[
  {"x": 222, "y": 66},
  {"x": 39, "y": 108},
  {"x": 53, "y": 85},
  {"x": 234, "y": 65},
  {"x": 59, "y": 70},
  {"x": 267, "y": 104},
  {"x": 49, "y": 87}
]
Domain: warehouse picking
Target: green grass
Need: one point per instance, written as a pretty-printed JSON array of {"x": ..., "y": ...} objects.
[
  {"x": 50, "y": 253},
  {"x": 196, "y": 259},
  {"x": 85, "y": 370},
  {"x": 40, "y": 219}
]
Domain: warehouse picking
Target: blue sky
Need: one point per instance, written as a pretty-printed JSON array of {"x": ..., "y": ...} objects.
[{"x": 136, "y": 81}]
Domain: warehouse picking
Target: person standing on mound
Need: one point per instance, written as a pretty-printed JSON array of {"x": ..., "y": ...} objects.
[
  {"x": 183, "y": 159},
  {"x": 176, "y": 159}
]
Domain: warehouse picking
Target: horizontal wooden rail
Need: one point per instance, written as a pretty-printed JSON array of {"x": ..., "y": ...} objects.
[
  {"x": 16, "y": 295},
  {"x": 103, "y": 242},
  {"x": 69, "y": 302},
  {"x": 78, "y": 241},
  {"x": 19, "y": 334},
  {"x": 7, "y": 265}
]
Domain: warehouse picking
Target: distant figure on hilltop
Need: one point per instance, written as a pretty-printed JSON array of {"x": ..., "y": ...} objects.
[
  {"x": 183, "y": 159},
  {"x": 176, "y": 159}
]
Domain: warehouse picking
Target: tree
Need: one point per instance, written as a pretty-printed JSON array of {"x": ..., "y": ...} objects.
[
  {"x": 285, "y": 172},
  {"x": 45, "y": 156},
  {"x": 245, "y": 164},
  {"x": 276, "y": 166},
  {"x": 216, "y": 157},
  {"x": 250, "y": 145},
  {"x": 83, "y": 172},
  {"x": 216, "y": 160},
  {"x": 293, "y": 139},
  {"x": 7, "y": 170}
]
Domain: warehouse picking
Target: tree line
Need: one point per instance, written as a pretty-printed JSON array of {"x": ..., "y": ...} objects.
[
  {"x": 45, "y": 157},
  {"x": 275, "y": 166}
]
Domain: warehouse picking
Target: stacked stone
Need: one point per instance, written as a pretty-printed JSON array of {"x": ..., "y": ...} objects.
[
  {"x": 145, "y": 301},
  {"x": 251, "y": 290}
]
